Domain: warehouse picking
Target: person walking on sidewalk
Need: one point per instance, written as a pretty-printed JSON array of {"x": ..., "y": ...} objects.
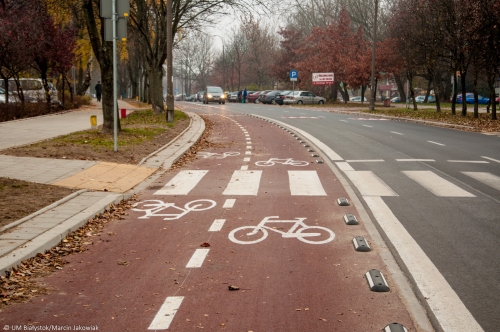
[
  {"x": 98, "y": 90},
  {"x": 244, "y": 96}
]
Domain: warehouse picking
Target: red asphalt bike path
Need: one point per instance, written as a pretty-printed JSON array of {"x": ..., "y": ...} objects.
[{"x": 134, "y": 277}]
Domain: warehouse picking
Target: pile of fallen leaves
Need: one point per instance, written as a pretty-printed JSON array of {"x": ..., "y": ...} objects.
[{"x": 19, "y": 284}]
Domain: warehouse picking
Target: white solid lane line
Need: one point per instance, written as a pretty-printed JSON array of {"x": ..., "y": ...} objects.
[
  {"x": 395, "y": 132},
  {"x": 443, "y": 301},
  {"x": 486, "y": 178},
  {"x": 244, "y": 183},
  {"x": 436, "y": 143},
  {"x": 305, "y": 183},
  {"x": 498, "y": 161},
  {"x": 426, "y": 160},
  {"x": 469, "y": 161},
  {"x": 197, "y": 258},
  {"x": 217, "y": 225},
  {"x": 166, "y": 314},
  {"x": 229, "y": 203},
  {"x": 436, "y": 184},
  {"x": 369, "y": 184},
  {"x": 182, "y": 183}
]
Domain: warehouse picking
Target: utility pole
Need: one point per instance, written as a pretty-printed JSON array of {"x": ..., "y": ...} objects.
[
  {"x": 170, "y": 77},
  {"x": 372, "y": 83}
]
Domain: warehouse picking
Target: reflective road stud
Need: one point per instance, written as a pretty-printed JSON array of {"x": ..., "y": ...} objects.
[
  {"x": 395, "y": 327},
  {"x": 350, "y": 219},
  {"x": 343, "y": 201},
  {"x": 376, "y": 281},
  {"x": 360, "y": 244}
]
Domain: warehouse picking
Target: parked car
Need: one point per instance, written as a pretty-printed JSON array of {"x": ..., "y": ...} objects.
[
  {"x": 281, "y": 96},
  {"x": 268, "y": 98},
  {"x": 396, "y": 100},
  {"x": 303, "y": 97},
  {"x": 253, "y": 97},
  {"x": 191, "y": 98},
  {"x": 214, "y": 94},
  {"x": 232, "y": 97},
  {"x": 33, "y": 90},
  {"x": 357, "y": 98},
  {"x": 469, "y": 99},
  {"x": 497, "y": 100},
  {"x": 12, "y": 99},
  {"x": 421, "y": 99},
  {"x": 180, "y": 97},
  {"x": 262, "y": 94},
  {"x": 199, "y": 96}
]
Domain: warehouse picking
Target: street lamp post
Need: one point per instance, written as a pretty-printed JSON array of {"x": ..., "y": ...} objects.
[
  {"x": 223, "y": 64},
  {"x": 372, "y": 83}
]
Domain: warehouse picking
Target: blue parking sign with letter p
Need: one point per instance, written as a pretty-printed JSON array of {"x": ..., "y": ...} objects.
[{"x": 294, "y": 74}]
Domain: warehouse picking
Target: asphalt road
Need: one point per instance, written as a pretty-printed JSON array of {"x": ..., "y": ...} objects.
[{"x": 441, "y": 185}]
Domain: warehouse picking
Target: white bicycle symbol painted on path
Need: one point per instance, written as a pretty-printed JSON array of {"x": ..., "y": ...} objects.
[
  {"x": 223, "y": 155},
  {"x": 287, "y": 161},
  {"x": 300, "y": 231},
  {"x": 153, "y": 208}
]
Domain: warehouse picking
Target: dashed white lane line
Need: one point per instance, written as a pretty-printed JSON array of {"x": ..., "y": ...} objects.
[
  {"x": 498, "y": 161},
  {"x": 395, "y": 132},
  {"x": 436, "y": 184},
  {"x": 198, "y": 258},
  {"x": 450, "y": 312},
  {"x": 248, "y": 153},
  {"x": 244, "y": 168},
  {"x": 368, "y": 126},
  {"x": 436, "y": 143},
  {"x": 244, "y": 183},
  {"x": 344, "y": 120},
  {"x": 182, "y": 183},
  {"x": 166, "y": 314},
  {"x": 305, "y": 183},
  {"x": 248, "y": 138},
  {"x": 229, "y": 203},
  {"x": 469, "y": 161},
  {"x": 364, "y": 160},
  {"x": 343, "y": 166},
  {"x": 425, "y": 160},
  {"x": 217, "y": 225},
  {"x": 486, "y": 178},
  {"x": 249, "y": 146},
  {"x": 246, "y": 159}
]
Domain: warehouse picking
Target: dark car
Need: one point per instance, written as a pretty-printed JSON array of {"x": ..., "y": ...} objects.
[
  {"x": 269, "y": 98},
  {"x": 199, "y": 96},
  {"x": 281, "y": 96},
  {"x": 262, "y": 95},
  {"x": 214, "y": 94}
]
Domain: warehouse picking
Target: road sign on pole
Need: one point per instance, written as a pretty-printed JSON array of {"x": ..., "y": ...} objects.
[{"x": 294, "y": 74}]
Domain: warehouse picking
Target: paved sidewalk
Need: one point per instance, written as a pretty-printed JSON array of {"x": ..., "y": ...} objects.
[{"x": 45, "y": 228}]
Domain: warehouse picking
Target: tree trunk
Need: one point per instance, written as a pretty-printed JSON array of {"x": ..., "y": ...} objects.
[
  {"x": 474, "y": 90},
  {"x": 491, "y": 84},
  {"x": 156, "y": 93},
  {"x": 437, "y": 94},
  {"x": 401, "y": 87},
  {"x": 462, "y": 81},
  {"x": 454, "y": 95},
  {"x": 429, "y": 86},
  {"x": 104, "y": 53},
  {"x": 363, "y": 90}
]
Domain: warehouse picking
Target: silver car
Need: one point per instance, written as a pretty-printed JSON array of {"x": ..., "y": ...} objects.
[
  {"x": 214, "y": 94},
  {"x": 303, "y": 97}
]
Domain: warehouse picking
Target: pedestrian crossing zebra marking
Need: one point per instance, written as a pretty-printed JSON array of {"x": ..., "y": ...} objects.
[
  {"x": 305, "y": 183},
  {"x": 182, "y": 183},
  {"x": 486, "y": 178},
  {"x": 436, "y": 184},
  {"x": 244, "y": 183}
]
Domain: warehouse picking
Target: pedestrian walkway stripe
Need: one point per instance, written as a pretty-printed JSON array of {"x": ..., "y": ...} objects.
[
  {"x": 166, "y": 314},
  {"x": 198, "y": 258},
  {"x": 217, "y": 225},
  {"x": 436, "y": 184},
  {"x": 486, "y": 178},
  {"x": 244, "y": 167},
  {"x": 344, "y": 166},
  {"x": 305, "y": 183},
  {"x": 182, "y": 183},
  {"x": 229, "y": 203},
  {"x": 369, "y": 184},
  {"x": 244, "y": 183}
]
